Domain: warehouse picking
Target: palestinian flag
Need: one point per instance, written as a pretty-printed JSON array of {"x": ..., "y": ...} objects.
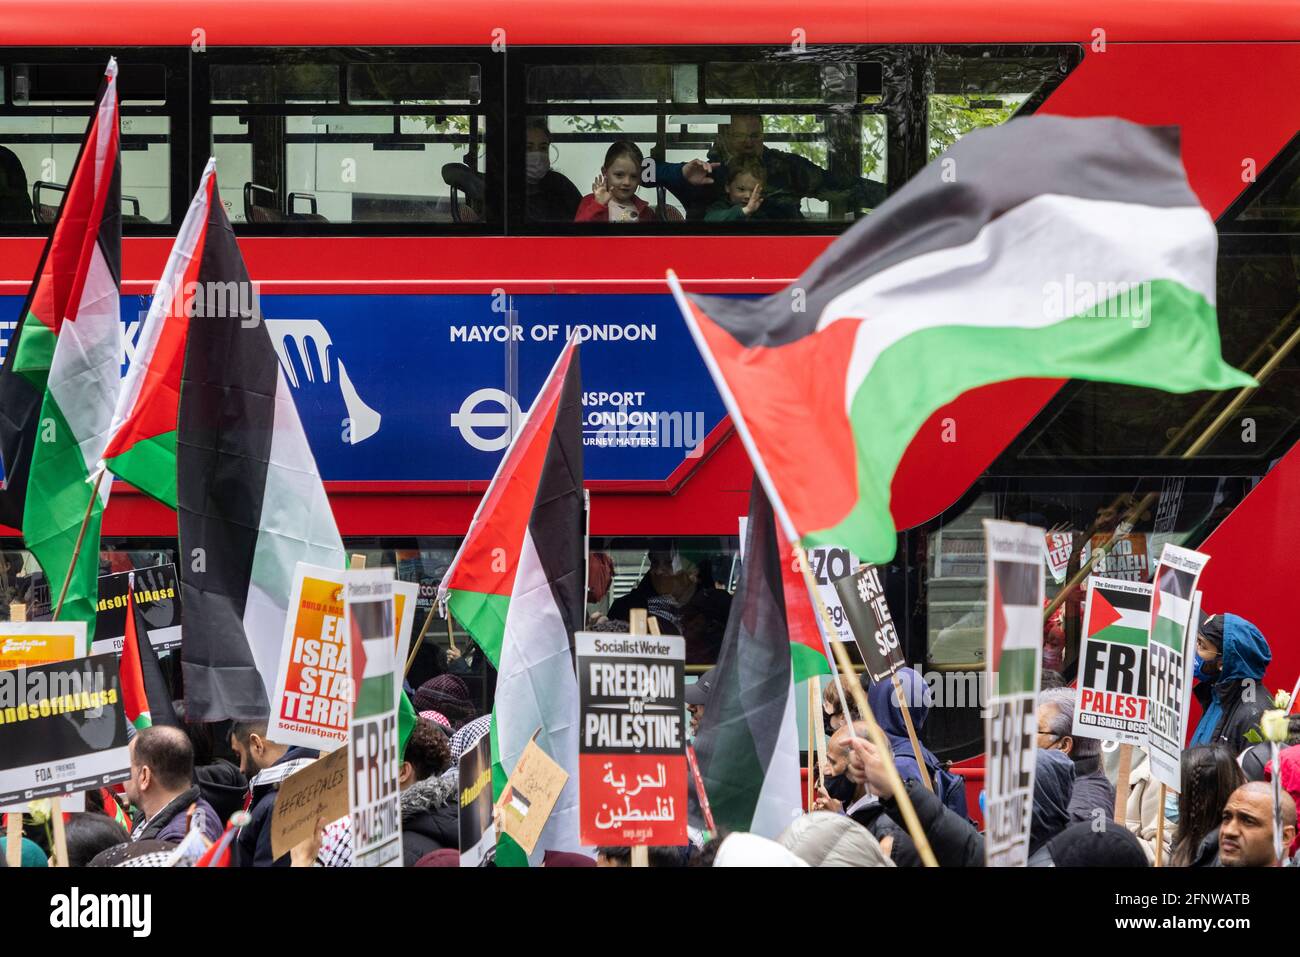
[
  {"x": 70, "y": 346},
  {"x": 80, "y": 261},
  {"x": 1118, "y": 611},
  {"x": 250, "y": 503},
  {"x": 518, "y": 585},
  {"x": 1092, "y": 260},
  {"x": 145, "y": 695},
  {"x": 142, "y": 443},
  {"x": 808, "y": 648},
  {"x": 748, "y": 742}
]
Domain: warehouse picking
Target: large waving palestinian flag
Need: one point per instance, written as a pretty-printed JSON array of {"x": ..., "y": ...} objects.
[
  {"x": 250, "y": 502},
  {"x": 518, "y": 585},
  {"x": 71, "y": 340},
  {"x": 142, "y": 444},
  {"x": 1049, "y": 247},
  {"x": 87, "y": 233}
]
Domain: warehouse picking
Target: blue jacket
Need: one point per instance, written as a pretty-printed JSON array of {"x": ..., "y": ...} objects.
[
  {"x": 950, "y": 788},
  {"x": 253, "y": 845},
  {"x": 1235, "y": 698}
]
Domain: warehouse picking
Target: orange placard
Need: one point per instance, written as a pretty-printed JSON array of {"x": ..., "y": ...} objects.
[
  {"x": 38, "y": 643},
  {"x": 313, "y": 708}
]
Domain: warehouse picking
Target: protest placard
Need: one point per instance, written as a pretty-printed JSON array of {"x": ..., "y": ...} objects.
[
  {"x": 1057, "y": 549},
  {"x": 28, "y": 644},
  {"x": 319, "y": 790},
  {"x": 157, "y": 595},
  {"x": 530, "y": 795},
  {"x": 1171, "y": 641},
  {"x": 862, "y": 595},
  {"x": 373, "y": 758},
  {"x": 1127, "y": 558},
  {"x": 312, "y": 706},
  {"x": 1111, "y": 699},
  {"x": 62, "y": 729},
  {"x": 1013, "y": 658},
  {"x": 632, "y": 743},
  {"x": 477, "y": 836},
  {"x": 406, "y": 597}
]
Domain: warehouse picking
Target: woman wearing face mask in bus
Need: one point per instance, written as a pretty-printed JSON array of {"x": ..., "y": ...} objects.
[{"x": 551, "y": 196}]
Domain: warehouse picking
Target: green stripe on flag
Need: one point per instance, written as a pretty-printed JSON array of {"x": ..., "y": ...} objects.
[
  {"x": 484, "y": 617},
  {"x": 150, "y": 465},
  {"x": 906, "y": 380},
  {"x": 1121, "y": 636},
  {"x": 806, "y": 662},
  {"x": 375, "y": 696},
  {"x": 1016, "y": 671},
  {"x": 509, "y": 853},
  {"x": 35, "y": 351},
  {"x": 1169, "y": 633},
  {"x": 57, "y": 496}
]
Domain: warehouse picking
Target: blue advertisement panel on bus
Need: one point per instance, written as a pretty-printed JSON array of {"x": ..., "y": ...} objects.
[{"x": 422, "y": 387}]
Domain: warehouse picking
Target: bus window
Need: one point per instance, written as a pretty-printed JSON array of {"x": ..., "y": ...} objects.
[
  {"x": 43, "y": 114},
  {"x": 810, "y": 137},
  {"x": 686, "y": 584},
  {"x": 974, "y": 88},
  {"x": 334, "y": 140}
]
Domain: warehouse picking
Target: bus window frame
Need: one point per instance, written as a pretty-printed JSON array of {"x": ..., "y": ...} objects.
[
  {"x": 490, "y": 106},
  {"x": 897, "y": 167},
  {"x": 176, "y": 65}
]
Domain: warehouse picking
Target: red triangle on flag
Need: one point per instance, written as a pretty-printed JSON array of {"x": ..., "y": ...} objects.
[{"x": 1102, "y": 613}]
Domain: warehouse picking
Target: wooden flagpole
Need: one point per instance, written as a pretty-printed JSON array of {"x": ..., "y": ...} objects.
[
  {"x": 1160, "y": 828},
  {"x": 76, "y": 551},
  {"x": 14, "y": 840},
  {"x": 60, "y": 833},
  {"x": 639, "y": 624},
  {"x": 849, "y": 678},
  {"x": 1122, "y": 784},
  {"x": 814, "y": 707}
]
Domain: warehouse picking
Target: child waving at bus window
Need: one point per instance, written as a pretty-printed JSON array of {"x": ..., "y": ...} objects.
[
  {"x": 613, "y": 196},
  {"x": 744, "y": 197}
]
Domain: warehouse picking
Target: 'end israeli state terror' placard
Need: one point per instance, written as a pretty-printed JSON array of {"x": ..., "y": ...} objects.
[
  {"x": 1014, "y": 630},
  {"x": 863, "y": 596},
  {"x": 1170, "y": 644},
  {"x": 632, "y": 743},
  {"x": 1111, "y": 701}
]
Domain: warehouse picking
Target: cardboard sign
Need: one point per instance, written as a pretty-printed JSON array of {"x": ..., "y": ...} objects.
[
  {"x": 530, "y": 796},
  {"x": 62, "y": 729},
  {"x": 1111, "y": 699},
  {"x": 1057, "y": 548},
  {"x": 1127, "y": 559},
  {"x": 862, "y": 595},
  {"x": 632, "y": 739},
  {"x": 373, "y": 755},
  {"x": 30, "y": 644},
  {"x": 477, "y": 836},
  {"x": 1171, "y": 643},
  {"x": 1013, "y": 657},
  {"x": 828, "y": 564},
  {"x": 313, "y": 683},
  {"x": 157, "y": 595},
  {"x": 319, "y": 790}
]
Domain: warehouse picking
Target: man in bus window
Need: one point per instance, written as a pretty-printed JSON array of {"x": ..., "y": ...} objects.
[{"x": 788, "y": 179}]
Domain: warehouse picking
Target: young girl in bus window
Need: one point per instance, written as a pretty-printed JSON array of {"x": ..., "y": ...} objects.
[
  {"x": 744, "y": 199},
  {"x": 613, "y": 196}
]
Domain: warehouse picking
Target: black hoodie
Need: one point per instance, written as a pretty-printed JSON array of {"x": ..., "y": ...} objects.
[{"x": 430, "y": 818}]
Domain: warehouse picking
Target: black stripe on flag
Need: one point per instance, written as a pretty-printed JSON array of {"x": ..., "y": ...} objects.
[
  {"x": 1131, "y": 600},
  {"x": 1017, "y": 582},
  {"x": 557, "y": 523},
  {"x": 1175, "y": 581},
  {"x": 1094, "y": 158},
  {"x": 742, "y": 721},
  {"x": 227, "y": 410}
]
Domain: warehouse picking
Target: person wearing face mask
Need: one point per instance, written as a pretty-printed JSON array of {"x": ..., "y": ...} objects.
[
  {"x": 1231, "y": 657},
  {"x": 551, "y": 196}
]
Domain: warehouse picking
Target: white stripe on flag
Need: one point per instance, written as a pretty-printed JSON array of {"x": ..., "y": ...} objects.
[{"x": 779, "y": 801}]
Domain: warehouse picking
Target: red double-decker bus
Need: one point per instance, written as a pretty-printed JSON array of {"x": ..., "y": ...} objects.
[{"x": 404, "y": 178}]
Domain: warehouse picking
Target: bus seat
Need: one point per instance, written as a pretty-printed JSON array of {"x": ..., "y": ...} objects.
[
  {"x": 133, "y": 202},
  {"x": 311, "y": 216},
  {"x": 46, "y": 210},
  {"x": 464, "y": 180},
  {"x": 259, "y": 205}
]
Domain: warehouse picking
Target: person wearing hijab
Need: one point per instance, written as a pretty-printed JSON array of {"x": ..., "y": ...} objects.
[
  {"x": 884, "y": 704},
  {"x": 1231, "y": 657}
]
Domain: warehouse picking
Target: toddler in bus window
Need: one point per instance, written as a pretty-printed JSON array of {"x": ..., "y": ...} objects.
[
  {"x": 744, "y": 196},
  {"x": 613, "y": 195}
]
